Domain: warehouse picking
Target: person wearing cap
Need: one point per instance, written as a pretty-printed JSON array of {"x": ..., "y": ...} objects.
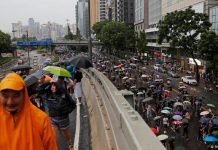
[{"x": 22, "y": 125}]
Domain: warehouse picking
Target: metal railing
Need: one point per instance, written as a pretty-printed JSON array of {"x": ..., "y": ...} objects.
[{"x": 77, "y": 133}]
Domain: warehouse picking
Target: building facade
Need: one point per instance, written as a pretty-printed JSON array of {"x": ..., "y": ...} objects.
[
  {"x": 125, "y": 10},
  {"x": 101, "y": 10},
  {"x": 82, "y": 18},
  {"x": 93, "y": 12},
  {"x": 214, "y": 19}
]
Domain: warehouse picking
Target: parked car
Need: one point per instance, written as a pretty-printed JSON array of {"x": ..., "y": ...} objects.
[
  {"x": 189, "y": 80},
  {"x": 173, "y": 74},
  {"x": 157, "y": 66}
]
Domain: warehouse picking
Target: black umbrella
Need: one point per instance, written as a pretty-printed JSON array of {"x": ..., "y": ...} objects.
[
  {"x": 20, "y": 67},
  {"x": 33, "y": 78},
  {"x": 81, "y": 62}
]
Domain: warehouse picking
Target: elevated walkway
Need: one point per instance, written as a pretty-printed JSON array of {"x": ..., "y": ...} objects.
[{"x": 114, "y": 123}]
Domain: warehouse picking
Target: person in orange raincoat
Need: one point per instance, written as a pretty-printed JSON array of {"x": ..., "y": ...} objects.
[{"x": 22, "y": 125}]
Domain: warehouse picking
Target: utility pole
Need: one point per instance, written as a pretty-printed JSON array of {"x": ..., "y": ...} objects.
[
  {"x": 89, "y": 32},
  {"x": 28, "y": 51}
]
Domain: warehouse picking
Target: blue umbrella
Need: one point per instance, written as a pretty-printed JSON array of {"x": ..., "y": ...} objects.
[
  {"x": 204, "y": 120},
  {"x": 215, "y": 121},
  {"x": 210, "y": 138}
]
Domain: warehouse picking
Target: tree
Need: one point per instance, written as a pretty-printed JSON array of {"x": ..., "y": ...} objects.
[
  {"x": 69, "y": 35},
  {"x": 5, "y": 42},
  {"x": 182, "y": 29},
  {"x": 115, "y": 35},
  {"x": 141, "y": 43},
  {"x": 208, "y": 49},
  {"x": 97, "y": 28}
]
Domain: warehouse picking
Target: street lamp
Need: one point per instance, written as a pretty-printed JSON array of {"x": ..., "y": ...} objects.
[
  {"x": 28, "y": 51},
  {"x": 89, "y": 32}
]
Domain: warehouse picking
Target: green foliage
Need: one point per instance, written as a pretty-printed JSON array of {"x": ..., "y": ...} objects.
[
  {"x": 70, "y": 35},
  {"x": 115, "y": 35},
  {"x": 141, "y": 41},
  {"x": 208, "y": 49},
  {"x": 5, "y": 42},
  {"x": 55, "y": 58},
  {"x": 182, "y": 29}
]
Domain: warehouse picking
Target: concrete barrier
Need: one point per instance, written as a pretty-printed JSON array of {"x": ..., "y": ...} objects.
[{"x": 136, "y": 132}]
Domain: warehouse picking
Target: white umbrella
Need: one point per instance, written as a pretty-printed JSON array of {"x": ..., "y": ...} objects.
[
  {"x": 162, "y": 137},
  {"x": 157, "y": 117},
  {"x": 147, "y": 99},
  {"x": 124, "y": 78},
  {"x": 203, "y": 113},
  {"x": 187, "y": 103},
  {"x": 133, "y": 87},
  {"x": 177, "y": 104},
  {"x": 132, "y": 79},
  {"x": 177, "y": 117},
  {"x": 152, "y": 86},
  {"x": 165, "y": 111},
  {"x": 144, "y": 68},
  {"x": 211, "y": 105},
  {"x": 132, "y": 64},
  {"x": 139, "y": 93},
  {"x": 144, "y": 76}
]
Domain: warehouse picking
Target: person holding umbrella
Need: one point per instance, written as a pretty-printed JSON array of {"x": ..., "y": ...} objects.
[{"x": 77, "y": 84}]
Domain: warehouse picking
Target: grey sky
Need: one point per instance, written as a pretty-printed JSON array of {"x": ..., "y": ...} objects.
[{"x": 40, "y": 10}]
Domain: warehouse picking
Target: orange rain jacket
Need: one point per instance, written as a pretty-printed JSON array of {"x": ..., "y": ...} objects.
[{"x": 28, "y": 129}]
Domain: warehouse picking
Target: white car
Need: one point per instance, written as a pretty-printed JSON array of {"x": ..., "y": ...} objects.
[
  {"x": 157, "y": 66},
  {"x": 189, "y": 80}
]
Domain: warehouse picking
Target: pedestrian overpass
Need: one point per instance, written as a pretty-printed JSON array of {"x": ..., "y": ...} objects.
[{"x": 114, "y": 124}]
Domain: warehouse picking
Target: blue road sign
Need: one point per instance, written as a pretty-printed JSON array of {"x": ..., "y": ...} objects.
[{"x": 34, "y": 43}]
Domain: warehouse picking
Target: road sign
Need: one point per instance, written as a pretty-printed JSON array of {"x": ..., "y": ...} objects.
[{"x": 34, "y": 43}]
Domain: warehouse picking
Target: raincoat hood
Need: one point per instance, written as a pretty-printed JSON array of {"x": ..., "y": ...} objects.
[{"x": 29, "y": 128}]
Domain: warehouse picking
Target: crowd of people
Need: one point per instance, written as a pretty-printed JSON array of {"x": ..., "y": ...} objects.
[
  {"x": 166, "y": 112},
  {"x": 34, "y": 114}
]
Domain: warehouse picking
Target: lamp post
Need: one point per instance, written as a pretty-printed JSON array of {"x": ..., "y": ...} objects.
[
  {"x": 28, "y": 51},
  {"x": 89, "y": 32}
]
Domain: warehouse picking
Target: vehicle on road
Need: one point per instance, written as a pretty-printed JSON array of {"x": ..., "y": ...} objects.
[
  {"x": 189, "y": 80},
  {"x": 173, "y": 74},
  {"x": 157, "y": 66}
]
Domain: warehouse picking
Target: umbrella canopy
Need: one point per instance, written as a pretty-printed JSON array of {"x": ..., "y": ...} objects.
[
  {"x": 20, "y": 67},
  {"x": 185, "y": 121},
  {"x": 204, "y": 120},
  {"x": 203, "y": 113},
  {"x": 132, "y": 87},
  {"x": 177, "y": 117},
  {"x": 157, "y": 117},
  {"x": 124, "y": 78},
  {"x": 178, "y": 104},
  {"x": 187, "y": 103},
  {"x": 154, "y": 131},
  {"x": 178, "y": 113},
  {"x": 33, "y": 78},
  {"x": 210, "y": 138},
  {"x": 144, "y": 76},
  {"x": 215, "y": 121},
  {"x": 147, "y": 99},
  {"x": 211, "y": 105},
  {"x": 57, "y": 71},
  {"x": 168, "y": 108},
  {"x": 165, "y": 111},
  {"x": 81, "y": 62},
  {"x": 177, "y": 122},
  {"x": 162, "y": 137},
  {"x": 139, "y": 93},
  {"x": 144, "y": 68}
]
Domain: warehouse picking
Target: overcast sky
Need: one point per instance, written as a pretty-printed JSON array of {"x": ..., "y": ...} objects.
[{"x": 41, "y": 11}]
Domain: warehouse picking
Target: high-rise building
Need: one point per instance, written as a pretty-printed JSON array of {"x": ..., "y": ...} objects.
[
  {"x": 82, "y": 20},
  {"x": 101, "y": 10},
  {"x": 17, "y": 29},
  {"x": 141, "y": 15},
  {"x": 125, "y": 10},
  {"x": 93, "y": 12}
]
